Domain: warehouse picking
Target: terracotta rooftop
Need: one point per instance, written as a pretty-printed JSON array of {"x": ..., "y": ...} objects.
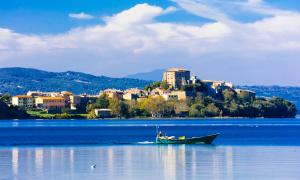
[
  {"x": 51, "y": 98},
  {"x": 23, "y": 96}
]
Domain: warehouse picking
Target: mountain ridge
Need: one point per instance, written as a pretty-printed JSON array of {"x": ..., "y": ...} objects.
[
  {"x": 17, "y": 80},
  {"x": 154, "y": 75}
]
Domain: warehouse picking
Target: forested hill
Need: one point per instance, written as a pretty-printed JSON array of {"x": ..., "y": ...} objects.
[
  {"x": 289, "y": 93},
  {"x": 20, "y": 80}
]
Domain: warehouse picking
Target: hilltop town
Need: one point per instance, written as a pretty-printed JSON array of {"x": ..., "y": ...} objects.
[{"x": 178, "y": 95}]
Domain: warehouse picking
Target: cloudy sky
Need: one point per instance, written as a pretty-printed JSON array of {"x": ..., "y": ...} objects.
[{"x": 242, "y": 41}]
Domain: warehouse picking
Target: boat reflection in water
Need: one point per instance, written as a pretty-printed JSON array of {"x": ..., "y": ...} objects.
[{"x": 150, "y": 162}]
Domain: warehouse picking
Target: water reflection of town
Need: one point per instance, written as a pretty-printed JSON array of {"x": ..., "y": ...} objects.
[
  {"x": 165, "y": 162},
  {"x": 148, "y": 162}
]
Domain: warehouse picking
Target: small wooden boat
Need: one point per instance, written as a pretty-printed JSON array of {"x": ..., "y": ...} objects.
[{"x": 182, "y": 140}]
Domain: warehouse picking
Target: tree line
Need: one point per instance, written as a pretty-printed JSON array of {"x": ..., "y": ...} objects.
[
  {"x": 227, "y": 103},
  {"x": 10, "y": 112}
]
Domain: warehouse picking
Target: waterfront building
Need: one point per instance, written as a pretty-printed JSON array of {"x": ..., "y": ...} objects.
[
  {"x": 66, "y": 95},
  {"x": 176, "y": 77},
  {"x": 85, "y": 99},
  {"x": 51, "y": 104},
  {"x": 75, "y": 100},
  {"x": 23, "y": 101},
  {"x": 103, "y": 113}
]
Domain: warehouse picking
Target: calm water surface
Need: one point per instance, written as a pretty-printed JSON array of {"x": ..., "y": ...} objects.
[
  {"x": 246, "y": 149},
  {"x": 128, "y": 162}
]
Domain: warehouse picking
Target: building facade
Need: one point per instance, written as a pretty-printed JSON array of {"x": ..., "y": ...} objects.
[
  {"x": 176, "y": 77},
  {"x": 113, "y": 93},
  {"x": 103, "y": 113},
  {"x": 51, "y": 104},
  {"x": 23, "y": 101}
]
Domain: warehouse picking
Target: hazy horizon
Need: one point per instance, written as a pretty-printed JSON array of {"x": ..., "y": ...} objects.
[{"x": 247, "y": 42}]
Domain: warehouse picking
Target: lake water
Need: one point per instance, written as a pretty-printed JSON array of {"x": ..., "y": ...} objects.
[{"x": 124, "y": 149}]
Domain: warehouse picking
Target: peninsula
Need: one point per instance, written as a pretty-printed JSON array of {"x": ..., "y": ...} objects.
[{"x": 179, "y": 94}]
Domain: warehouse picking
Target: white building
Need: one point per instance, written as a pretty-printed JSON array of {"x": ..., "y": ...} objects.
[
  {"x": 103, "y": 113},
  {"x": 23, "y": 101}
]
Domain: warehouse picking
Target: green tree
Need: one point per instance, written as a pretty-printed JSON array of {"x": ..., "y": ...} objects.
[
  {"x": 245, "y": 96},
  {"x": 154, "y": 105},
  {"x": 11, "y": 112},
  {"x": 169, "y": 109},
  {"x": 283, "y": 108},
  {"x": 153, "y": 86},
  {"x": 91, "y": 115},
  {"x": 195, "y": 110},
  {"x": 211, "y": 110},
  {"x": 164, "y": 85},
  {"x": 134, "y": 109},
  {"x": 102, "y": 102},
  {"x": 90, "y": 107},
  {"x": 118, "y": 108},
  {"x": 6, "y": 98},
  {"x": 188, "y": 87},
  {"x": 200, "y": 87},
  {"x": 181, "y": 107},
  {"x": 233, "y": 109},
  {"x": 228, "y": 95}
]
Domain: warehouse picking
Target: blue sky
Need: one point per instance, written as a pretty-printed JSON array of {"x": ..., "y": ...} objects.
[
  {"x": 35, "y": 16},
  {"x": 243, "y": 41}
]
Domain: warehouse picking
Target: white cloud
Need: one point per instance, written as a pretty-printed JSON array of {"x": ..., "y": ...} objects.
[
  {"x": 139, "y": 14},
  {"x": 133, "y": 40},
  {"x": 255, "y": 2},
  {"x": 203, "y": 10},
  {"x": 81, "y": 16},
  {"x": 170, "y": 9}
]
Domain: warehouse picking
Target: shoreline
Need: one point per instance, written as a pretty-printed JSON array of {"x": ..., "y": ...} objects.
[{"x": 167, "y": 118}]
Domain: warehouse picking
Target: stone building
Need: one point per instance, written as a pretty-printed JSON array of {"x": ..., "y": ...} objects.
[
  {"x": 113, "y": 93},
  {"x": 176, "y": 77}
]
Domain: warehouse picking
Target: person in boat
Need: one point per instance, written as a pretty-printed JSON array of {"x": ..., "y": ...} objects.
[{"x": 160, "y": 134}]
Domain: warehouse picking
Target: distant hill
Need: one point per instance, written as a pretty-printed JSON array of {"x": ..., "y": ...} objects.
[
  {"x": 20, "y": 80},
  {"x": 155, "y": 75}
]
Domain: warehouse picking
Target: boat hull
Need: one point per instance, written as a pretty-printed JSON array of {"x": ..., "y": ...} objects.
[{"x": 195, "y": 140}]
